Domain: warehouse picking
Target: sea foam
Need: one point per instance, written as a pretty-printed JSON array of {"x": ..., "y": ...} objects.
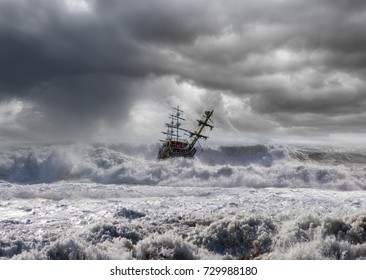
[{"x": 83, "y": 201}]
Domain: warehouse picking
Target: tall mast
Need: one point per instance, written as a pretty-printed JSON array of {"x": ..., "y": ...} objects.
[
  {"x": 201, "y": 125},
  {"x": 177, "y": 118},
  {"x": 174, "y": 125}
]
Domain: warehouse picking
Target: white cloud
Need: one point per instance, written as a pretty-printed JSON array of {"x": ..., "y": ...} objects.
[{"x": 79, "y": 6}]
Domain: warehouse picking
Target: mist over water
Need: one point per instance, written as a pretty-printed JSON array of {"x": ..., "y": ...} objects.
[{"x": 80, "y": 201}]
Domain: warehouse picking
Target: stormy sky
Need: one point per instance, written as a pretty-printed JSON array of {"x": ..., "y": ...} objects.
[{"x": 110, "y": 70}]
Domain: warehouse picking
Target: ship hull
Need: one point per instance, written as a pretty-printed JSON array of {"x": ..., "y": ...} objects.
[{"x": 172, "y": 149}]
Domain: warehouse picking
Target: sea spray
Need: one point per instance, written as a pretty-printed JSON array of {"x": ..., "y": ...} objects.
[
  {"x": 257, "y": 166},
  {"x": 83, "y": 201}
]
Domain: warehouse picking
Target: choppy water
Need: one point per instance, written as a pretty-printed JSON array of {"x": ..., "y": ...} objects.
[{"x": 83, "y": 201}]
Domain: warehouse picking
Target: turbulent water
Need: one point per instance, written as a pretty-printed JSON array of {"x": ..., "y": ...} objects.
[{"x": 118, "y": 202}]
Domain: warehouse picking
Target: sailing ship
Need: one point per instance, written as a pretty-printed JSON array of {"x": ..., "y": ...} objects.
[{"x": 174, "y": 145}]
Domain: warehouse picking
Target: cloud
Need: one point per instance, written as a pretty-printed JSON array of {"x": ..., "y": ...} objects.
[{"x": 86, "y": 66}]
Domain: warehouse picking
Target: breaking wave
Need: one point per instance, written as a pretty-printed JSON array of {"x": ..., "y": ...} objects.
[
  {"x": 242, "y": 166},
  {"x": 81, "y": 201},
  {"x": 255, "y": 166}
]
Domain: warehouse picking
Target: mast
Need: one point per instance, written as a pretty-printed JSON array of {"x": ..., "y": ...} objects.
[
  {"x": 174, "y": 125},
  {"x": 201, "y": 125}
]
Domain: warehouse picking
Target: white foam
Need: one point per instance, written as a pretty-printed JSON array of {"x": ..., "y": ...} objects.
[
  {"x": 97, "y": 202},
  {"x": 255, "y": 166}
]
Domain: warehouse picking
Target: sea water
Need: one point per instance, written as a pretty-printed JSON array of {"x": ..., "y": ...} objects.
[{"x": 80, "y": 201}]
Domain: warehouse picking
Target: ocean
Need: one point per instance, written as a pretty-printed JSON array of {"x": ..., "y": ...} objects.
[{"x": 116, "y": 201}]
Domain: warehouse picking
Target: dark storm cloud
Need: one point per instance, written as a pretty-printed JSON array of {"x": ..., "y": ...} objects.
[
  {"x": 170, "y": 22},
  {"x": 77, "y": 67},
  {"x": 41, "y": 40},
  {"x": 80, "y": 62},
  {"x": 325, "y": 71}
]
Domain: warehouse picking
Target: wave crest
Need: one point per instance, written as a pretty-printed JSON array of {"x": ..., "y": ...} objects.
[{"x": 256, "y": 166}]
